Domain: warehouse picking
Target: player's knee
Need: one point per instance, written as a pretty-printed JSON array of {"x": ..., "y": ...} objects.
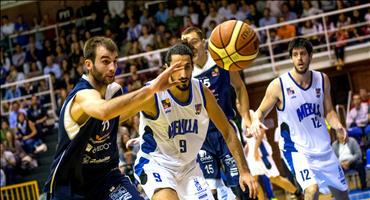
[{"x": 311, "y": 190}]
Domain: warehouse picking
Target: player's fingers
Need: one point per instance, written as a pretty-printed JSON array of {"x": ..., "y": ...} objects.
[
  {"x": 242, "y": 187},
  {"x": 263, "y": 126}
]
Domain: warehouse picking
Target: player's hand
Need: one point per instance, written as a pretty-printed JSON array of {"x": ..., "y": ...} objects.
[
  {"x": 343, "y": 131},
  {"x": 163, "y": 80},
  {"x": 257, "y": 128},
  {"x": 246, "y": 179},
  {"x": 132, "y": 142}
]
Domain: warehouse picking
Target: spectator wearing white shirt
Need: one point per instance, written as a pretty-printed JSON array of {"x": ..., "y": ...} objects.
[
  {"x": 212, "y": 16},
  {"x": 194, "y": 16},
  {"x": 145, "y": 38},
  {"x": 154, "y": 59},
  {"x": 234, "y": 13},
  {"x": 223, "y": 10},
  {"x": 181, "y": 10},
  {"x": 357, "y": 116},
  {"x": 7, "y": 27},
  {"x": 116, "y": 8},
  {"x": 309, "y": 10},
  {"x": 350, "y": 156},
  {"x": 51, "y": 66},
  {"x": 19, "y": 57}
]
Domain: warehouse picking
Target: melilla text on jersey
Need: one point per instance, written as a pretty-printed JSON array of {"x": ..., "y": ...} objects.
[
  {"x": 182, "y": 126},
  {"x": 307, "y": 109}
]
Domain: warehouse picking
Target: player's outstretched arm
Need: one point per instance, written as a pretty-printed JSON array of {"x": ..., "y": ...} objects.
[
  {"x": 242, "y": 95},
  {"x": 330, "y": 113},
  {"x": 90, "y": 102},
  {"x": 219, "y": 119},
  {"x": 269, "y": 101}
]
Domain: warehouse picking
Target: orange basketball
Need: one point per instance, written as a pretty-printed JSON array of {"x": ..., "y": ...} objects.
[{"x": 233, "y": 45}]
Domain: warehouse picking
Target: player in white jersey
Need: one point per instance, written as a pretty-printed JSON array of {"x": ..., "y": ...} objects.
[
  {"x": 173, "y": 127},
  {"x": 303, "y": 101},
  {"x": 260, "y": 162}
]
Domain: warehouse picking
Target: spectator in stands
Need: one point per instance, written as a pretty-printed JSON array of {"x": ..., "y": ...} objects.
[
  {"x": 94, "y": 25},
  {"x": 173, "y": 22},
  {"x": 48, "y": 48},
  {"x": 161, "y": 15},
  {"x": 7, "y": 163},
  {"x": 19, "y": 28},
  {"x": 341, "y": 37},
  {"x": 65, "y": 13},
  {"x": 34, "y": 71},
  {"x": 202, "y": 9},
  {"x": 13, "y": 115},
  {"x": 357, "y": 116},
  {"x": 116, "y": 8},
  {"x": 14, "y": 75},
  {"x": 146, "y": 38},
  {"x": 33, "y": 55},
  {"x": 60, "y": 55},
  {"x": 2, "y": 178},
  {"x": 343, "y": 20},
  {"x": 234, "y": 13},
  {"x": 5, "y": 130},
  {"x": 144, "y": 18},
  {"x": 27, "y": 134},
  {"x": 296, "y": 6},
  {"x": 327, "y": 5},
  {"x": 287, "y": 13},
  {"x": 211, "y": 26},
  {"x": 27, "y": 89},
  {"x": 51, "y": 66},
  {"x": 4, "y": 60},
  {"x": 350, "y": 157},
  {"x": 194, "y": 16},
  {"x": 22, "y": 158},
  {"x": 286, "y": 31},
  {"x": 223, "y": 10},
  {"x": 181, "y": 10},
  {"x": 134, "y": 81},
  {"x": 133, "y": 31},
  {"x": 364, "y": 96},
  {"x": 309, "y": 29},
  {"x": 75, "y": 54},
  {"x": 37, "y": 113},
  {"x": 265, "y": 21},
  {"x": 154, "y": 60},
  {"x": 212, "y": 16},
  {"x": 12, "y": 92},
  {"x": 309, "y": 10},
  {"x": 47, "y": 21},
  {"x": 19, "y": 57},
  {"x": 275, "y": 7},
  {"x": 7, "y": 27}
]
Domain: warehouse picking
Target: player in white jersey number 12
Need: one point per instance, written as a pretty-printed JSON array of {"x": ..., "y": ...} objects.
[{"x": 303, "y": 101}]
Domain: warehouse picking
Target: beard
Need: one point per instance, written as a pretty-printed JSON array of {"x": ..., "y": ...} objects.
[
  {"x": 99, "y": 77},
  {"x": 183, "y": 86},
  {"x": 301, "y": 71}
]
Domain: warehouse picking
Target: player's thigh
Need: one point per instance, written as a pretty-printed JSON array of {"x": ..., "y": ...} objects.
[
  {"x": 298, "y": 165},
  {"x": 194, "y": 186},
  {"x": 118, "y": 186},
  {"x": 165, "y": 194},
  {"x": 154, "y": 177}
]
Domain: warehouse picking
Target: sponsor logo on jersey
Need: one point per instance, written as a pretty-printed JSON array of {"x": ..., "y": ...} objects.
[
  {"x": 215, "y": 72},
  {"x": 166, "y": 105},
  {"x": 318, "y": 92},
  {"x": 198, "y": 108},
  {"x": 182, "y": 127},
  {"x": 290, "y": 92},
  {"x": 308, "y": 109}
]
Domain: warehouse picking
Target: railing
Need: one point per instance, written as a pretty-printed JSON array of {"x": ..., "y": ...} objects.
[
  {"x": 269, "y": 62},
  {"x": 49, "y": 92},
  {"x": 23, "y": 191}
]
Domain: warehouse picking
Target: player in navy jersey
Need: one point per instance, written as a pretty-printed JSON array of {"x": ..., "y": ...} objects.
[
  {"x": 302, "y": 99},
  {"x": 85, "y": 165},
  {"x": 215, "y": 157}
]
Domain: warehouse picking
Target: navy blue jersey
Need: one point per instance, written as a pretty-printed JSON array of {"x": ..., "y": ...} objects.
[
  {"x": 218, "y": 81},
  {"x": 85, "y": 153}
]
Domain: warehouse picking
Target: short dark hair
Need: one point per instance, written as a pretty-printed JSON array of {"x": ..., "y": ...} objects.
[
  {"x": 193, "y": 29},
  {"x": 94, "y": 42},
  {"x": 180, "y": 48},
  {"x": 300, "y": 42}
]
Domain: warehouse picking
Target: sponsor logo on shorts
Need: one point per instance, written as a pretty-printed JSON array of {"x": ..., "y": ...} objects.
[
  {"x": 119, "y": 193},
  {"x": 204, "y": 157}
]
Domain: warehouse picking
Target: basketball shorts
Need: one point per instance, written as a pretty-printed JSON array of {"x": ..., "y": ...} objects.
[
  {"x": 323, "y": 170},
  {"x": 114, "y": 186},
  {"x": 215, "y": 159},
  {"x": 189, "y": 183}
]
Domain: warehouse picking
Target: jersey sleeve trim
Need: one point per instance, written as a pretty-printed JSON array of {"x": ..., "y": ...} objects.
[
  {"x": 202, "y": 92},
  {"x": 282, "y": 91},
  {"x": 156, "y": 107}
]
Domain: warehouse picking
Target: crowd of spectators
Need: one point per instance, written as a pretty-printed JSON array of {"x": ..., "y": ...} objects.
[{"x": 136, "y": 29}]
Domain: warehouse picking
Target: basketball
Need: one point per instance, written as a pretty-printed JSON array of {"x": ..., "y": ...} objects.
[{"x": 233, "y": 45}]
